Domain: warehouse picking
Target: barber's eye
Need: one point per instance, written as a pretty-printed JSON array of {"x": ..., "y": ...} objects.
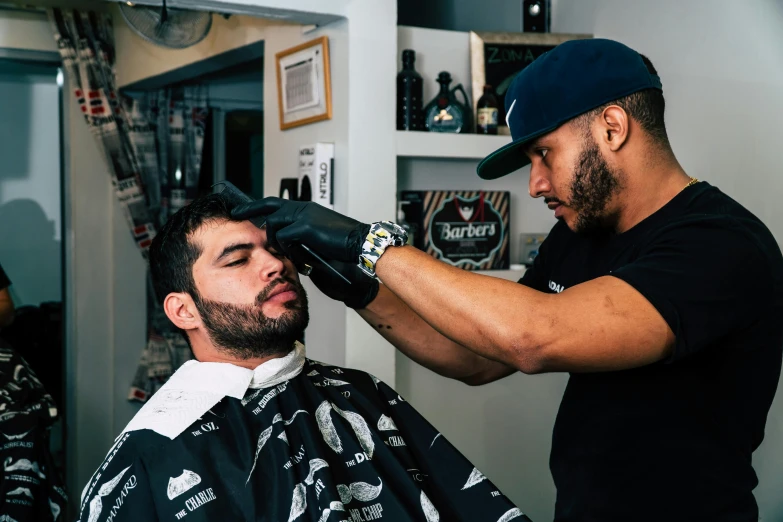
[
  {"x": 543, "y": 152},
  {"x": 238, "y": 262}
]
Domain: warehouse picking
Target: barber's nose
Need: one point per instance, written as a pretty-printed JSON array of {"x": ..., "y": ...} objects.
[{"x": 539, "y": 184}]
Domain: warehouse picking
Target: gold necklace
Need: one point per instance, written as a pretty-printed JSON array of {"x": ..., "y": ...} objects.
[{"x": 692, "y": 182}]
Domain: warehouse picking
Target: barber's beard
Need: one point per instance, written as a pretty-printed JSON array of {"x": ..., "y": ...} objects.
[
  {"x": 245, "y": 332},
  {"x": 592, "y": 189}
]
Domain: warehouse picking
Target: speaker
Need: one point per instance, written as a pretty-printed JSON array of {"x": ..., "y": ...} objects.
[{"x": 536, "y": 16}]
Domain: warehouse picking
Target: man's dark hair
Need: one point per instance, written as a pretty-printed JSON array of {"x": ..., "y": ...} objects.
[
  {"x": 172, "y": 253},
  {"x": 646, "y": 107}
]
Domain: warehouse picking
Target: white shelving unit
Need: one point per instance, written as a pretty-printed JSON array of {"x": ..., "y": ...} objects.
[
  {"x": 443, "y": 161},
  {"x": 416, "y": 144}
]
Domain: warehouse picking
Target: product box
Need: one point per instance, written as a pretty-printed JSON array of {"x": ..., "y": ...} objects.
[
  {"x": 467, "y": 229},
  {"x": 316, "y": 170}
]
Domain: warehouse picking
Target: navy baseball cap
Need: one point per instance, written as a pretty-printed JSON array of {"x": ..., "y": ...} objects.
[{"x": 571, "y": 79}]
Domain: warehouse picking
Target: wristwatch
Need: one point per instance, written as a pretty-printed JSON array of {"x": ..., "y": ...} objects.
[{"x": 383, "y": 234}]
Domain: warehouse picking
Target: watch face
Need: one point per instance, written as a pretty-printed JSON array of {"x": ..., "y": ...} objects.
[
  {"x": 389, "y": 227},
  {"x": 397, "y": 234}
]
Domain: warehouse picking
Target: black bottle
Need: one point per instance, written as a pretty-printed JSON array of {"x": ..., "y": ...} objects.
[
  {"x": 487, "y": 113},
  {"x": 409, "y": 94}
]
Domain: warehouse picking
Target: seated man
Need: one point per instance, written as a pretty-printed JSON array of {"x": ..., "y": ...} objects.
[{"x": 253, "y": 430}]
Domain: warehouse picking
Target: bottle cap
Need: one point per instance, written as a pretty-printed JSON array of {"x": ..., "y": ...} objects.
[{"x": 409, "y": 55}]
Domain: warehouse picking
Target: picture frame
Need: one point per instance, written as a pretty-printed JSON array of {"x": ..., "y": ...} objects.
[
  {"x": 496, "y": 59},
  {"x": 304, "y": 90}
]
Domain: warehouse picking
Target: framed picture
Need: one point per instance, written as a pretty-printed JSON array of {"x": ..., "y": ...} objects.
[
  {"x": 496, "y": 59},
  {"x": 304, "y": 91}
]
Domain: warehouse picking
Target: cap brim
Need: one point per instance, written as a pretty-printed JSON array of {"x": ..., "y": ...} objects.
[{"x": 508, "y": 158}]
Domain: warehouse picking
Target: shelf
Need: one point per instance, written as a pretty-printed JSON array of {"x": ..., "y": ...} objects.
[
  {"x": 416, "y": 144},
  {"x": 511, "y": 275}
]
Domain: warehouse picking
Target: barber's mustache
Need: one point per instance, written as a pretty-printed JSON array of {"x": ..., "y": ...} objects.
[
  {"x": 547, "y": 201},
  {"x": 263, "y": 295}
]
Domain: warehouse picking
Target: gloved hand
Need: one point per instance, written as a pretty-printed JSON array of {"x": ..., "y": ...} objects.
[
  {"x": 289, "y": 223},
  {"x": 358, "y": 294}
]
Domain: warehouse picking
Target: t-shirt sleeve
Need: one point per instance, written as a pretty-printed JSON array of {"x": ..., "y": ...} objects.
[
  {"x": 705, "y": 279},
  {"x": 4, "y": 281},
  {"x": 120, "y": 489}
]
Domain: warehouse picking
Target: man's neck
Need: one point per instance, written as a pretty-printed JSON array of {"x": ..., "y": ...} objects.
[
  {"x": 648, "y": 190},
  {"x": 215, "y": 356}
]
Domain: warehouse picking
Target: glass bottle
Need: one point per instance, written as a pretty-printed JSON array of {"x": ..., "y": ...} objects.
[
  {"x": 444, "y": 113},
  {"x": 487, "y": 112},
  {"x": 409, "y": 94}
]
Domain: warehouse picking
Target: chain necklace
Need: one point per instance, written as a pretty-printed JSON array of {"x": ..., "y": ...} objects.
[{"x": 692, "y": 182}]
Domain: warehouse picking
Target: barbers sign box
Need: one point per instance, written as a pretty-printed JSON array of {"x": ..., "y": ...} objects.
[{"x": 466, "y": 229}]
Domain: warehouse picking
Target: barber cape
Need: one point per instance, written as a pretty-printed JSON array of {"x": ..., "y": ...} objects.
[{"x": 292, "y": 440}]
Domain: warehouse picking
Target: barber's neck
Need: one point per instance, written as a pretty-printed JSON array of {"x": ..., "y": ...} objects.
[{"x": 651, "y": 179}]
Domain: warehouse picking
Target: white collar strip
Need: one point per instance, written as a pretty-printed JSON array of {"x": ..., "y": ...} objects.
[{"x": 198, "y": 386}]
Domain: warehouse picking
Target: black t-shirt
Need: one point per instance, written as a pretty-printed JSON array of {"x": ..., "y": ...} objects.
[
  {"x": 4, "y": 281},
  {"x": 673, "y": 440}
]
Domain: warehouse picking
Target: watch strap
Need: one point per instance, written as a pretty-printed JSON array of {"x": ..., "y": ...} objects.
[{"x": 382, "y": 235}]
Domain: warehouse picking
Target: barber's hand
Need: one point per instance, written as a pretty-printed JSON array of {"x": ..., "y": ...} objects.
[
  {"x": 288, "y": 223},
  {"x": 358, "y": 294}
]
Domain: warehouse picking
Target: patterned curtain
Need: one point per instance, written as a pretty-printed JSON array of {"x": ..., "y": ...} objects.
[{"x": 153, "y": 143}]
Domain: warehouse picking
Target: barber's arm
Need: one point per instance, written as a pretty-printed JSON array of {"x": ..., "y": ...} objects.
[
  {"x": 604, "y": 324},
  {"x": 403, "y": 327},
  {"x": 599, "y": 325}
]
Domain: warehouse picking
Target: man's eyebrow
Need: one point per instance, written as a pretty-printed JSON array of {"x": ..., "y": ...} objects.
[
  {"x": 533, "y": 144},
  {"x": 233, "y": 248}
]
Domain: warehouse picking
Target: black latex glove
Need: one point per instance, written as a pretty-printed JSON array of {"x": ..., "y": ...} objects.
[
  {"x": 289, "y": 223},
  {"x": 358, "y": 294}
]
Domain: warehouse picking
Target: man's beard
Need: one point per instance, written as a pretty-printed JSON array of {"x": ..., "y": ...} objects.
[
  {"x": 592, "y": 188},
  {"x": 245, "y": 332}
]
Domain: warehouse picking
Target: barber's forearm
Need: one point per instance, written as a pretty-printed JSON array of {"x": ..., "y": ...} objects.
[
  {"x": 402, "y": 327},
  {"x": 489, "y": 316}
]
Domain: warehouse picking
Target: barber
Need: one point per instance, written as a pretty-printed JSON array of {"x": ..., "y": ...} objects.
[{"x": 669, "y": 316}]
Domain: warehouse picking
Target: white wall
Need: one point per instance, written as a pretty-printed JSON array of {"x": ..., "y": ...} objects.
[{"x": 30, "y": 238}]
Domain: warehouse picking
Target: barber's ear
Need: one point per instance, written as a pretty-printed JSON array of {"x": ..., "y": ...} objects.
[
  {"x": 181, "y": 310},
  {"x": 615, "y": 127}
]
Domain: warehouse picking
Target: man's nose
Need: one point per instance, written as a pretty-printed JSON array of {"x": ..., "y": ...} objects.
[
  {"x": 539, "y": 184},
  {"x": 272, "y": 266}
]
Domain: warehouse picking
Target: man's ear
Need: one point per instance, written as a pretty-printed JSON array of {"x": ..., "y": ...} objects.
[
  {"x": 181, "y": 310},
  {"x": 615, "y": 125}
]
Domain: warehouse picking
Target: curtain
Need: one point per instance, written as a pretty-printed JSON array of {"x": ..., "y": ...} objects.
[{"x": 153, "y": 144}]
